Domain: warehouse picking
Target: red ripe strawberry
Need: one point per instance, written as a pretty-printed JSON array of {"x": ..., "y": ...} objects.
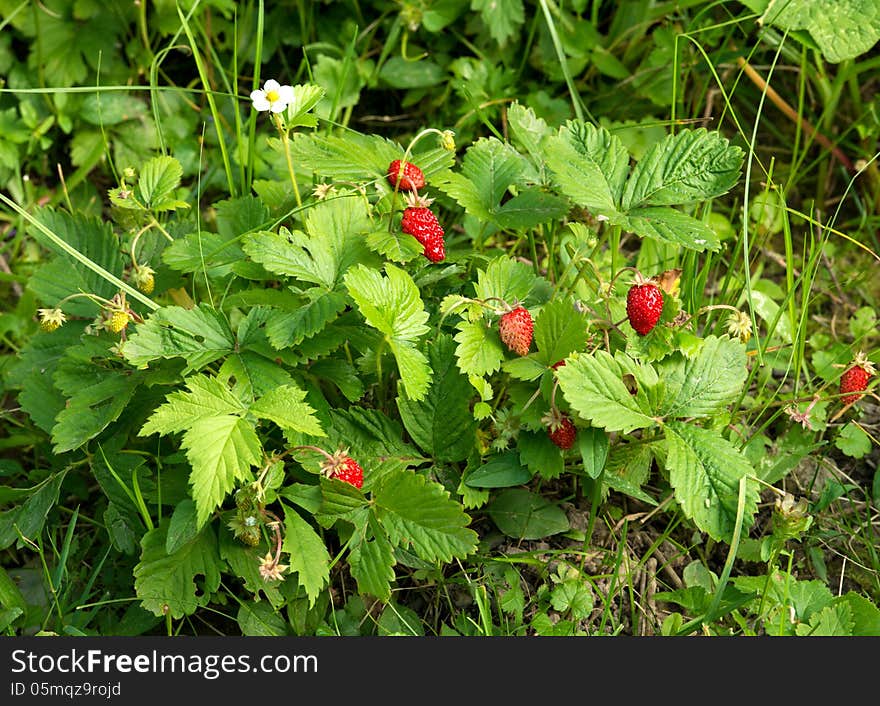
[
  {"x": 560, "y": 429},
  {"x": 515, "y": 328},
  {"x": 644, "y": 304},
  {"x": 405, "y": 175},
  {"x": 855, "y": 379},
  {"x": 420, "y": 222},
  {"x": 342, "y": 466},
  {"x": 558, "y": 364}
]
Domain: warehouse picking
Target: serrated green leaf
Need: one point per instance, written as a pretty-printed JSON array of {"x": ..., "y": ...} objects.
[
  {"x": 166, "y": 583},
  {"x": 305, "y": 97},
  {"x": 521, "y": 514},
  {"x": 394, "y": 245},
  {"x": 308, "y": 554},
  {"x": 441, "y": 424},
  {"x": 528, "y": 130},
  {"x": 502, "y": 17},
  {"x": 540, "y": 455},
  {"x": 157, "y": 182},
  {"x": 524, "y": 368},
  {"x": 286, "y": 407},
  {"x": 560, "y": 329},
  {"x": 206, "y": 397},
  {"x": 289, "y": 328},
  {"x": 501, "y": 471},
  {"x": 670, "y": 226},
  {"x": 479, "y": 349},
  {"x": 595, "y": 388},
  {"x": 505, "y": 278},
  {"x": 29, "y": 517},
  {"x": 865, "y": 614},
  {"x": 221, "y": 450},
  {"x": 690, "y": 166},
  {"x": 252, "y": 375},
  {"x": 200, "y": 335},
  {"x": 593, "y": 447},
  {"x": 342, "y": 374},
  {"x": 182, "y": 528},
  {"x": 589, "y": 165},
  {"x": 703, "y": 385},
  {"x": 372, "y": 564},
  {"x": 704, "y": 471},
  {"x": 393, "y": 306},
  {"x": 340, "y": 500},
  {"x": 419, "y": 513},
  {"x": 260, "y": 620},
  {"x": 832, "y": 621}
]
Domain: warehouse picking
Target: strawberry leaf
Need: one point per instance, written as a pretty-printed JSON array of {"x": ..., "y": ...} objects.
[
  {"x": 372, "y": 563},
  {"x": 289, "y": 328},
  {"x": 420, "y": 514},
  {"x": 670, "y": 226},
  {"x": 521, "y": 514},
  {"x": 560, "y": 329},
  {"x": 308, "y": 555},
  {"x": 479, "y": 349},
  {"x": 692, "y": 165},
  {"x": 207, "y": 397},
  {"x": 200, "y": 335},
  {"x": 540, "y": 455},
  {"x": 286, "y": 407},
  {"x": 600, "y": 389},
  {"x": 704, "y": 471},
  {"x": 166, "y": 583},
  {"x": 393, "y": 306},
  {"x": 505, "y": 278},
  {"x": 158, "y": 180},
  {"x": 441, "y": 424}
]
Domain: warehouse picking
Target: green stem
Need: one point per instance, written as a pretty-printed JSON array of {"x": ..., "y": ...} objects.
[{"x": 285, "y": 139}]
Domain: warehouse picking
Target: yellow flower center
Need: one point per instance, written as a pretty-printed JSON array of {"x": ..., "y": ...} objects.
[{"x": 272, "y": 96}]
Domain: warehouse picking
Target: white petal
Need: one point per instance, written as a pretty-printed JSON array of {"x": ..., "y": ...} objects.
[
  {"x": 271, "y": 85},
  {"x": 261, "y": 104},
  {"x": 278, "y": 107},
  {"x": 285, "y": 93},
  {"x": 258, "y": 95}
]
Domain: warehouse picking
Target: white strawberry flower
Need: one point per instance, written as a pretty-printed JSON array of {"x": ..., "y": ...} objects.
[{"x": 273, "y": 96}]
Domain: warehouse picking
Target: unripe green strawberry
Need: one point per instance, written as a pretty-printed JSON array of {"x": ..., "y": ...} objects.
[
  {"x": 644, "y": 304},
  {"x": 515, "y": 328},
  {"x": 405, "y": 175}
]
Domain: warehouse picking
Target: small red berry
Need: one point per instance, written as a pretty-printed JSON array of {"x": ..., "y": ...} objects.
[
  {"x": 515, "y": 328},
  {"x": 855, "y": 379},
  {"x": 560, "y": 429},
  {"x": 420, "y": 222},
  {"x": 405, "y": 175},
  {"x": 342, "y": 466},
  {"x": 558, "y": 364},
  {"x": 644, "y": 304}
]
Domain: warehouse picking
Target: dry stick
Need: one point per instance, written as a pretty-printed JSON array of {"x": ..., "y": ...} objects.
[{"x": 792, "y": 115}]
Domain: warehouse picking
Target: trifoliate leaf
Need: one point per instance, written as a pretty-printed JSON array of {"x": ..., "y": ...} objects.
[
  {"x": 705, "y": 470},
  {"x": 596, "y": 388},
  {"x": 166, "y": 583},
  {"x": 479, "y": 349},
  {"x": 420, "y": 514},
  {"x": 157, "y": 182},
  {"x": 308, "y": 554}
]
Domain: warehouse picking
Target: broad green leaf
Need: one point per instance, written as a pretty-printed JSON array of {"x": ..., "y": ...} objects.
[
  {"x": 832, "y": 621},
  {"x": 595, "y": 388},
  {"x": 340, "y": 500},
  {"x": 865, "y": 614},
  {"x": 157, "y": 182},
  {"x": 528, "y": 130},
  {"x": 286, "y": 406},
  {"x": 252, "y": 375},
  {"x": 289, "y": 328},
  {"x": 419, "y": 513},
  {"x": 670, "y": 226},
  {"x": 393, "y": 306},
  {"x": 501, "y": 471},
  {"x": 560, "y": 329},
  {"x": 403, "y": 73},
  {"x": 260, "y": 620},
  {"x": 692, "y": 165},
  {"x": 853, "y": 441},
  {"x": 394, "y": 245},
  {"x": 441, "y": 424},
  {"x": 166, "y": 583},
  {"x": 96, "y": 399},
  {"x": 593, "y": 447},
  {"x": 540, "y": 455},
  {"x": 479, "y": 349},
  {"x": 589, "y": 165},
  {"x": 704, "y": 471},
  {"x": 308, "y": 554},
  {"x": 524, "y": 368},
  {"x": 502, "y": 18},
  {"x": 206, "y": 397},
  {"x": 506, "y": 279},
  {"x": 372, "y": 564},
  {"x": 842, "y": 29},
  {"x": 521, "y": 514},
  {"x": 182, "y": 528},
  {"x": 340, "y": 373},
  {"x": 530, "y": 207},
  {"x": 622, "y": 484},
  {"x": 200, "y": 335},
  {"x": 705, "y": 384},
  {"x": 221, "y": 450},
  {"x": 29, "y": 517}
]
